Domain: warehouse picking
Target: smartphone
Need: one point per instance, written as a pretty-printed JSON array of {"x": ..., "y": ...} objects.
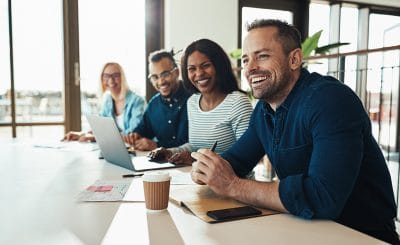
[{"x": 232, "y": 213}]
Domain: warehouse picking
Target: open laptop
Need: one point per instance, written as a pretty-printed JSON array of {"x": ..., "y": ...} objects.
[{"x": 113, "y": 147}]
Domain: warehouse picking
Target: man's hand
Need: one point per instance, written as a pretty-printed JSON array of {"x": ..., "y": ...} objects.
[
  {"x": 145, "y": 144},
  {"x": 160, "y": 154},
  {"x": 181, "y": 158},
  {"x": 131, "y": 138},
  {"x": 211, "y": 169}
]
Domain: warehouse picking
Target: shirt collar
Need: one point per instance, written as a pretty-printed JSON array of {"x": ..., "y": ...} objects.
[
  {"x": 175, "y": 97},
  {"x": 295, "y": 90}
]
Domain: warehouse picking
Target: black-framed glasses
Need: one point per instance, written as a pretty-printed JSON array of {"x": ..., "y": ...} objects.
[
  {"x": 106, "y": 76},
  {"x": 163, "y": 75}
]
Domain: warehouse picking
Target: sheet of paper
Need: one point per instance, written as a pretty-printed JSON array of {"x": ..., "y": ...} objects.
[
  {"x": 142, "y": 162},
  {"x": 100, "y": 191},
  {"x": 72, "y": 146}
]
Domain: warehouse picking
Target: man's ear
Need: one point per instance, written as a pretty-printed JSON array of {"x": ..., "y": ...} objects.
[{"x": 295, "y": 59}]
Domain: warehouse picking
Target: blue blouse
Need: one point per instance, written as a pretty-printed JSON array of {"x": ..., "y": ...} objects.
[
  {"x": 165, "y": 120},
  {"x": 133, "y": 110},
  {"x": 321, "y": 146}
]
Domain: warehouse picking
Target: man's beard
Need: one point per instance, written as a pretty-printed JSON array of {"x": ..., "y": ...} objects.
[{"x": 275, "y": 87}]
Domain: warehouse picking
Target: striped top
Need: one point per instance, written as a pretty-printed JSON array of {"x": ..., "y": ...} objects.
[{"x": 225, "y": 123}]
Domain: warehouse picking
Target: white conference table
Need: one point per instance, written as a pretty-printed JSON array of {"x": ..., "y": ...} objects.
[{"x": 38, "y": 206}]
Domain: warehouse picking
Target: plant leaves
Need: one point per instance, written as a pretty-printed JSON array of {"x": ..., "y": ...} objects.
[
  {"x": 236, "y": 54},
  {"x": 325, "y": 49},
  {"x": 310, "y": 44}
]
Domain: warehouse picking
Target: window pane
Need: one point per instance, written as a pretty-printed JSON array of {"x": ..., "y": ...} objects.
[
  {"x": 5, "y": 82},
  {"x": 383, "y": 78},
  {"x": 348, "y": 34},
  {"x": 38, "y": 60},
  {"x": 113, "y": 32},
  {"x": 319, "y": 20}
]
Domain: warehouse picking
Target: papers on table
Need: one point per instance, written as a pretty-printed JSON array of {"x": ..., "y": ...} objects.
[
  {"x": 72, "y": 146},
  {"x": 126, "y": 190},
  {"x": 105, "y": 191}
]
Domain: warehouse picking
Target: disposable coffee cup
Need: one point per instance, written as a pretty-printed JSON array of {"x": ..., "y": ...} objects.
[{"x": 156, "y": 190}]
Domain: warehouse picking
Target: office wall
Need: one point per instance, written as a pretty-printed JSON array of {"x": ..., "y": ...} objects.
[{"x": 188, "y": 20}]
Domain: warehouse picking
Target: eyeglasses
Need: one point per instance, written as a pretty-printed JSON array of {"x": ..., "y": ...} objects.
[
  {"x": 114, "y": 76},
  {"x": 163, "y": 75}
]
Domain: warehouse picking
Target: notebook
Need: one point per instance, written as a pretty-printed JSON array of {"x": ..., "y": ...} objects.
[
  {"x": 113, "y": 148},
  {"x": 200, "y": 199}
]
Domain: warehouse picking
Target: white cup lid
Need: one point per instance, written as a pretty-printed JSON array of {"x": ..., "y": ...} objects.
[{"x": 156, "y": 176}]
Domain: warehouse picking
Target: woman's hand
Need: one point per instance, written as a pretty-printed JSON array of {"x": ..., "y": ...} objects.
[
  {"x": 72, "y": 136},
  {"x": 79, "y": 136},
  {"x": 87, "y": 137}
]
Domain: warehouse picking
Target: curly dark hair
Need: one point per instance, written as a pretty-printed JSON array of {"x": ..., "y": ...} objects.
[
  {"x": 226, "y": 80},
  {"x": 288, "y": 35},
  {"x": 157, "y": 55}
]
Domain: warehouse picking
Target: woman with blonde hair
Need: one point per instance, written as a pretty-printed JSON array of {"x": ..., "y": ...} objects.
[{"x": 119, "y": 102}]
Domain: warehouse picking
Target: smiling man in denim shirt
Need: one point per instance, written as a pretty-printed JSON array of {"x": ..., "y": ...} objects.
[{"x": 317, "y": 135}]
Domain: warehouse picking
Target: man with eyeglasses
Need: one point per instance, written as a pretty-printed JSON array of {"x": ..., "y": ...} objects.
[{"x": 164, "y": 123}]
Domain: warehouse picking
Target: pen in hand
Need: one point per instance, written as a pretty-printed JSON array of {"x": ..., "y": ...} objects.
[{"x": 214, "y": 146}]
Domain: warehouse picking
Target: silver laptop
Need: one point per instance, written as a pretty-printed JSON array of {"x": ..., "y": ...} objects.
[{"x": 113, "y": 147}]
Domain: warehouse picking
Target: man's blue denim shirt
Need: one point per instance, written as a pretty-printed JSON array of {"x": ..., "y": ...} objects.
[
  {"x": 166, "y": 120},
  {"x": 133, "y": 109},
  {"x": 320, "y": 143}
]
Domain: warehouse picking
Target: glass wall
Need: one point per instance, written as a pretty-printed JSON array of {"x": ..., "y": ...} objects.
[
  {"x": 318, "y": 20},
  {"x": 37, "y": 37},
  {"x": 5, "y": 81},
  {"x": 383, "y": 77},
  {"x": 114, "y": 32},
  {"x": 348, "y": 25}
]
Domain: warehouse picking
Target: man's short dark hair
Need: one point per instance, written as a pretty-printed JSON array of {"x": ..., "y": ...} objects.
[
  {"x": 157, "y": 55},
  {"x": 288, "y": 35}
]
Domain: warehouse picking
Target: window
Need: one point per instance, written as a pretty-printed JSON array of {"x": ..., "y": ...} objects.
[
  {"x": 318, "y": 21},
  {"x": 114, "y": 32},
  {"x": 5, "y": 83},
  {"x": 38, "y": 66}
]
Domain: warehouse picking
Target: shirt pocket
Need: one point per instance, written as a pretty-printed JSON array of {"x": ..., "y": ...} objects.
[{"x": 293, "y": 160}]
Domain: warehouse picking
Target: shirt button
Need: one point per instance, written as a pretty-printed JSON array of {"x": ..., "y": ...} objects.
[
  {"x": 173, "y": 137},
  {"x": 169, "y": 121}
]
